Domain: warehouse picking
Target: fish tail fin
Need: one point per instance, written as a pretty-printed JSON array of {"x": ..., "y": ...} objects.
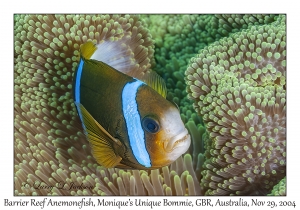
[{"x": 87, "y": 50}]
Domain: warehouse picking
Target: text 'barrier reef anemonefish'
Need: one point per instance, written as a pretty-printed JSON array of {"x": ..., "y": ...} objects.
[{"x": 128, "y": 122}]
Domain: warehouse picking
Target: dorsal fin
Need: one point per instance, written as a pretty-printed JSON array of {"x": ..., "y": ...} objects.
[
  {"x": 156, "y": 82},
  {"x": 151, "y": 78},
  {"x": 87, "y": 50}
]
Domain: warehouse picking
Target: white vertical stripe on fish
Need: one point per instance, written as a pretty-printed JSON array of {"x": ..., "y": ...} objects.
[{"x": 133, "y": 123}]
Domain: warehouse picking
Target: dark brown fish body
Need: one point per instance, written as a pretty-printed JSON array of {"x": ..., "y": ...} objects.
[{"x": 128, "y": 123}]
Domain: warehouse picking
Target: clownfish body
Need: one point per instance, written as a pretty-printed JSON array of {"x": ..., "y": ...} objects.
[{"x": 128, "y": 123}]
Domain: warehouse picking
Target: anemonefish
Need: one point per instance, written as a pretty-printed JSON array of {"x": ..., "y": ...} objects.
[{"x": 128, "y": 122}]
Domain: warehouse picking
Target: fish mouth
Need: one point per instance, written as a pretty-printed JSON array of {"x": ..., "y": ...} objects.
[{"x": 177, "y": 141}]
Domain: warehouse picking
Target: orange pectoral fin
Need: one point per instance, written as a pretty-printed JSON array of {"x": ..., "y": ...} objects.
[{"x": 100, "y": 140}]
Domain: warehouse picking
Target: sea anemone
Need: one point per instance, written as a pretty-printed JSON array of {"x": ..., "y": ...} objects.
[
  {"x": 178, "y": 179},
  {"x": 161, "y": 25},
  {"x": 50, "y": 147},
  {"x": 239, "y": 88},
  {"x": 231, "y": 23},
  {"x": 179, "y": 37},
  {"x": 279, "y": 189}
]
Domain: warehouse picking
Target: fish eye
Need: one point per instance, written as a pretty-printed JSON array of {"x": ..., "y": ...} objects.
[{"x": 150, "y": 124}]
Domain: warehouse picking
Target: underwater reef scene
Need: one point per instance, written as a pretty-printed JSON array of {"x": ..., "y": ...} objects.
[{"x": 227, "y": 74}]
